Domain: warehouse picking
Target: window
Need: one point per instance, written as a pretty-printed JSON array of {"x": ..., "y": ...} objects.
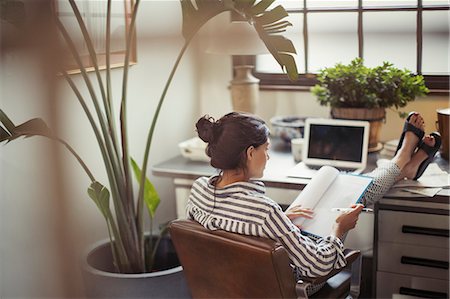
[
  {"x": 94, "y": 17},
  {"x": 412, "y": 34}
]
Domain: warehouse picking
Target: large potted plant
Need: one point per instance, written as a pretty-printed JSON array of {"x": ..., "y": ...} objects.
[
  {"x": 129, "y": 256},
  {"x": 355, "y": 91}
]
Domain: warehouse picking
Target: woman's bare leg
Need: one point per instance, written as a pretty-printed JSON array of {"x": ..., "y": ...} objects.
[{"x": 385, "y": 176}]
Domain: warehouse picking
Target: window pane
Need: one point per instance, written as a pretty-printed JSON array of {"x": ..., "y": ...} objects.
[
  {"x": 267, "y": 64},
  {"x": 435, "y": 42},
  {"x": 333, "y": 38},
  {"x": 324, "y": 3},
  {"x": 288, "y": 4},
  {"x": 389, "y": 3},
  {"x": 434, "y": 2},
  {"x": 390, "y": 36}
]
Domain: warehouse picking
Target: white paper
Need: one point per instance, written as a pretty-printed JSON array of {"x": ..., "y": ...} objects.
[
  {"x": 301, "y": 170},
  {"x": 427, "y": 192},
  {"x": 328, "y": 189}
]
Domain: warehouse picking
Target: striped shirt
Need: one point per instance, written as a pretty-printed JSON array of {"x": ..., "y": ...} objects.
[{"x": 243, "y": 208}]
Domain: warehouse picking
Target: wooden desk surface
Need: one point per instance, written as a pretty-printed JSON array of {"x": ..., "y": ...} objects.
[{"x": 280, "y": 161}]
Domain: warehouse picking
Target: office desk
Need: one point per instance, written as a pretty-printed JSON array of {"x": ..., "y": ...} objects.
[
  {"x": 279, "y": 187},
  {"x": 378, "y": 275}
]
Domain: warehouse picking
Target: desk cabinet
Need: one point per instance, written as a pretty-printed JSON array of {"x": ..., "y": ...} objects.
[{"x": 412, "y": 249}]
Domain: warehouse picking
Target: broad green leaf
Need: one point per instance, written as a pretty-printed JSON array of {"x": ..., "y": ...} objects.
[
  {"x": 194, "y": 17},
  {"x": 32, "y": 127},
  {"x": 244, "y": 5},
  {"x": 100, "y": 195},
  {"x": 260, "y": 7},
  {"x": 282, "y": 50},
  {"x": 281, "y": 44},
  {"x": 267, "y": 23},
  {"x": 4, "y": 119},
  {"x": 4, "y": 135},
  {"x": 151, "y": 197},
  {"x": 272, "y": 16},
  {"x": 278, "y": 27},
  {"x": 35, "y": 126}
]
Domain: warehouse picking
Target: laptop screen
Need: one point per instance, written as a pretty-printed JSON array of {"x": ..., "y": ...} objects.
[{"x": 336, "y": 142}]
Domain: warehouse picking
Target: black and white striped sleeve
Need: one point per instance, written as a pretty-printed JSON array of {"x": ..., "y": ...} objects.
[{"x": 312, "y": 258}]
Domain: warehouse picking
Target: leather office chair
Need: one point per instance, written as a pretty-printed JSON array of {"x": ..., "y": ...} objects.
[{"x": 219, "y": 264}]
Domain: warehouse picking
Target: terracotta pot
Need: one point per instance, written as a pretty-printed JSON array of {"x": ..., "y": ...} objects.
[{"x": 374, "y": 116}]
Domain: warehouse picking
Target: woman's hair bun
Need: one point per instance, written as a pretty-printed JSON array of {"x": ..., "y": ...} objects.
[{"x": 205, "y": 128}]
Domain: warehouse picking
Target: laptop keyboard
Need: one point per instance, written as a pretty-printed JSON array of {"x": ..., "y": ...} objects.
[{"x": 341, "y": 169}]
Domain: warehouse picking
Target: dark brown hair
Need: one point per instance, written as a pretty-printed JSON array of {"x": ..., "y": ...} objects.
[{"x": 229, "y": 138}]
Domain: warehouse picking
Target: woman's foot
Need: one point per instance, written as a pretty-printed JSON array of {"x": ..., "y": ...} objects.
[
  {"x": 409, "y": 127},
  {"x": 410, "y": 141},
  {"x": 410, "y": 171}
]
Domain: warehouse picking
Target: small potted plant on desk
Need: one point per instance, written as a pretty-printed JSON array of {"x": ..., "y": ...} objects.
[
  {"x": 355, "y": 91},
  {"x": 127, "y": 264}
]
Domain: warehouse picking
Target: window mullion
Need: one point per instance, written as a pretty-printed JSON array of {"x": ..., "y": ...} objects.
[
  {"x": 419, "y": 36},
  {"x": 305, "y": 35},
  {"x": 360, "y": 30}
]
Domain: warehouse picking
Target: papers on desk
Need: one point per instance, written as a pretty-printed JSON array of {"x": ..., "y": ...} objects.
[
  {"x": 301, "y": 171},
  {"x": 433, "y": 181}
]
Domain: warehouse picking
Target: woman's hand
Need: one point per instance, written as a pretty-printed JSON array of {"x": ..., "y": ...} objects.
[
  {"x": 297, "y": 211},
  {"x": 347, "y": 220}
]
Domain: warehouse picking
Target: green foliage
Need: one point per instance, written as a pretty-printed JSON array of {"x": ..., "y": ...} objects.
[
  {"x": 151, "y": 197},
  {"x": 32, "y": 127},
  {"x": 357, "y": 86},
  {"x": 268, "y": 24},
  {"x": 100, "y": 195},
  {"x": 126, "y": 225}
]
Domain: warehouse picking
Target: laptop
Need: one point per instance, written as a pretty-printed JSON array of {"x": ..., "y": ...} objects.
[{"x": 340, "y": 143}]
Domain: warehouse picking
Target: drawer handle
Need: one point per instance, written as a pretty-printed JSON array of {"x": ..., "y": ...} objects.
[
  {"x": 422, "y": 293},
  {"x": 424, "y": 262},
  {"x": 407, "y": 229}
]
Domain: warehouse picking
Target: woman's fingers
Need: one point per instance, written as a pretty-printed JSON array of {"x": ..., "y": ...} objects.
[
  {"x": 301, "y": 214},
  {"x": 347, "y": 220},
  {"x": 297, "y": 211}
]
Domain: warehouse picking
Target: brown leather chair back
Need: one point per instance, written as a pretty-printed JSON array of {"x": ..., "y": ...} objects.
[{"x": 219, "y": 264}]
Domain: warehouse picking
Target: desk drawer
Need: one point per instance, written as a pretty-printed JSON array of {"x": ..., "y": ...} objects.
[
  {"x": 413, "y": 260},
  {"x": 389, "y": 284},
  {"x": 413, "y": 228}
]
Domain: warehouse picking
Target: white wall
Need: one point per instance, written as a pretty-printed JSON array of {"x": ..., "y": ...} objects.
[
  {"x": 29, "y": 249},
  {"x": 29, "y": 227}
]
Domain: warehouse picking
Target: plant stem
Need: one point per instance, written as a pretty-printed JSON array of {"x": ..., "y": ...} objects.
[
  {"x": 140, "y": 203},
  {"x": 114, "y": 175},
  {"x": 72, "y": 151},
  {"x": 93, "y": 56},
  {"x": 155, "y": 247},
  {"x": 140, "y": 258},
  {"x": 109, "y": 97},
  {"x": 115, "y": 161}
]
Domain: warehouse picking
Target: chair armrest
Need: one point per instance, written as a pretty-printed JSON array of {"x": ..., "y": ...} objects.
[{"x": 301, "y": 286}]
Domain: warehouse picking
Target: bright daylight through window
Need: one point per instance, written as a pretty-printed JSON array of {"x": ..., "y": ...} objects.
[{"x": 411, "y": 34}]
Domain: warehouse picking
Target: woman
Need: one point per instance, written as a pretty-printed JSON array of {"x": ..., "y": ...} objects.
[{"x": 238, "y": 145}]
